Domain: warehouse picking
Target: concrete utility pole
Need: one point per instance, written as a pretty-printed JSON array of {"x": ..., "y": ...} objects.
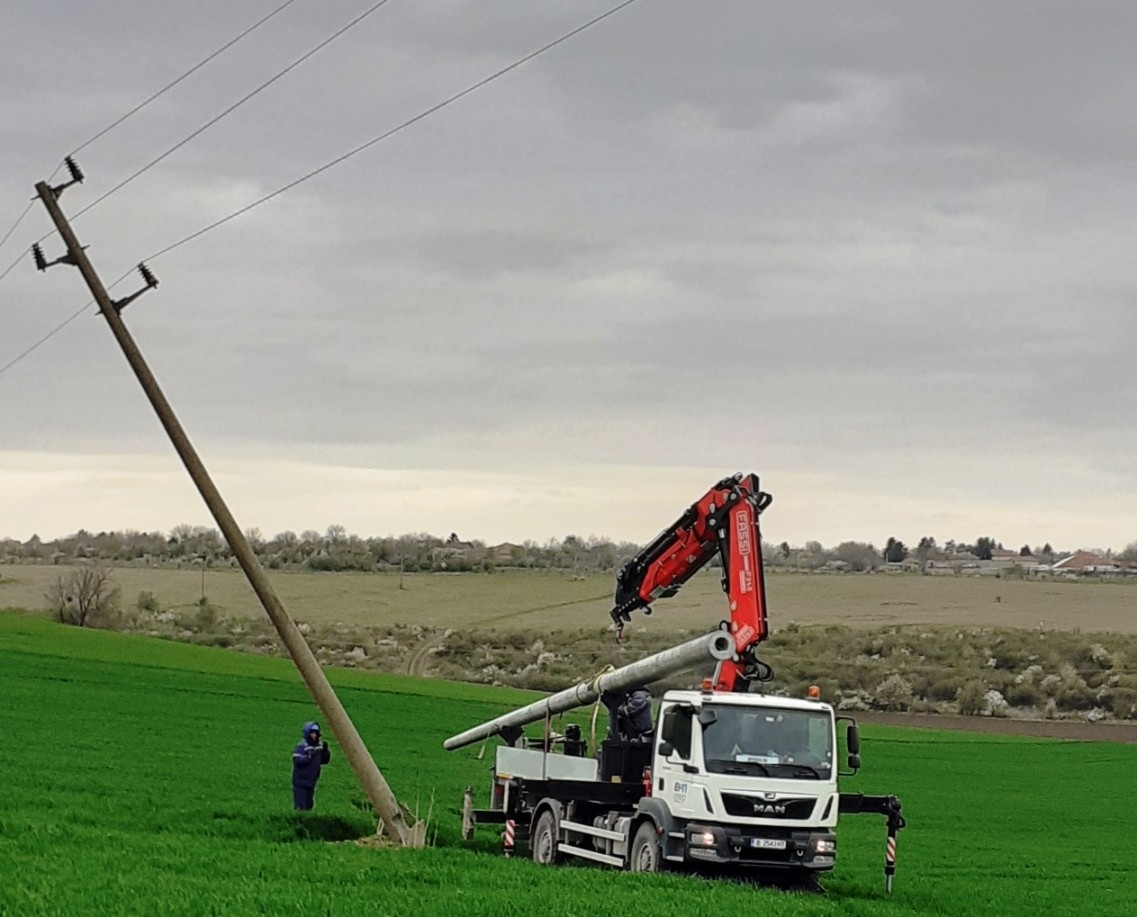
[{"x": 366, "y": 771}]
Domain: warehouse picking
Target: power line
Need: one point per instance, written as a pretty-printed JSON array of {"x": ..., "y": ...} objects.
[
  {"x": 192, "y": 70},
  {"x": 394, "y": 130},
  {"x": 19, "y": 220},
  {"x": 11, "y": 267},
  {"x": 141, "y": 105},
  {"x": 212, "y": 121},
  {"x": 54, "y": 331},
  {"x": 47, "y": 337},
  {"x": 328, "y": 165}
]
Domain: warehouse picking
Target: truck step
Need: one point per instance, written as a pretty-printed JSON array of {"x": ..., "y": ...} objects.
[
  {"x": 592, "y": 831},
  {"x": 587, "y": 854}
]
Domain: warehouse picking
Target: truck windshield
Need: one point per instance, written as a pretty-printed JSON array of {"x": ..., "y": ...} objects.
[{"x": 794, "y": 744}]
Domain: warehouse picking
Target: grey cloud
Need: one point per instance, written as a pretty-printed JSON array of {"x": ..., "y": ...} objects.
[{"x": 827, "y": 231}]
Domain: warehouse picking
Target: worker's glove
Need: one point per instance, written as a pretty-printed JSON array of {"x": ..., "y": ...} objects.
[{"x": 325, "y": 745}]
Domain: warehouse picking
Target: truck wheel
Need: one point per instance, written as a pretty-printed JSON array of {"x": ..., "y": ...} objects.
[
  {"x": 646, "y": 855},
  {"x": 543, "y": 843}
]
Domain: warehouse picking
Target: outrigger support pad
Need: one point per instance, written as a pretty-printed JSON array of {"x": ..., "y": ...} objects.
[{"x": 889, "y": 807}]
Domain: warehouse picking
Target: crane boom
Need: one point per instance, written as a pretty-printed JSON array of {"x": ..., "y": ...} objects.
[{"x": 723, "y": 521}]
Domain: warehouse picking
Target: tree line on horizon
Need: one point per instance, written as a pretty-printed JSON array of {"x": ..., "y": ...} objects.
[{"x": 335, "y": 550}]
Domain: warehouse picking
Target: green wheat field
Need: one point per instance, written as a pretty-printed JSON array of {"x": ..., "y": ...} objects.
[{"x": 148, "y": 777}]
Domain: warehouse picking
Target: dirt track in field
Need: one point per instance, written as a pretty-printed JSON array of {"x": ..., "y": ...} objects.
[{"x": 1052, "y": 729}]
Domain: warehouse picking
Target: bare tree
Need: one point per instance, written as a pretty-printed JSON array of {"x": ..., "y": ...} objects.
[{"x": 82, "y": 595}]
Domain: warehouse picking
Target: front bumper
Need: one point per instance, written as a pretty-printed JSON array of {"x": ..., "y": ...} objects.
[{"x": 786, "y": 848}]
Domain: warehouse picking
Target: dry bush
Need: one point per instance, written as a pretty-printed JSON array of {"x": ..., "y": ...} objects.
[
  {"x": 971, "y": 698},
  {"x": 894, "y": 693},
  {"x": 85, "y": 596}
]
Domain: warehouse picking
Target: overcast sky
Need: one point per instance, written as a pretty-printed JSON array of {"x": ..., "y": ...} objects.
[{"x": 880, "y": 254}]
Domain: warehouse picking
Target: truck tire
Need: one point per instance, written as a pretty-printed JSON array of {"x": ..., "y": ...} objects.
[
  {"x": 646, "y": 855},
  {"x": 543, "y": 842}
]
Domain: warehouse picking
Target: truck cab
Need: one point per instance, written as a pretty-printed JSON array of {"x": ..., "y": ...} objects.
[{"x": 745, "y": 779}]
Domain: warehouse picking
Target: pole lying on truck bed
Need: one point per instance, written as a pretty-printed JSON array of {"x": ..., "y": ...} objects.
[{"x": 710, "y": 647}]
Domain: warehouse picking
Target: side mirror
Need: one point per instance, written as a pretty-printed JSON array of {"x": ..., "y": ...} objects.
[
  {"x": 853, "y": 739},
  {"x": 707, "y": 717},
  {"x": 854, "y": 762},
  {"x": 666, "y": 749}
]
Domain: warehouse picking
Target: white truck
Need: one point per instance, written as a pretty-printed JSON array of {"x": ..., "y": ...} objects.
[
  {"x": 728, "y": 777},
  {"x": 729, "y": 780}
]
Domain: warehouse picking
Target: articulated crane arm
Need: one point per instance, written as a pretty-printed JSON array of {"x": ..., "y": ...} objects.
[{"x": 723, "y": 521}]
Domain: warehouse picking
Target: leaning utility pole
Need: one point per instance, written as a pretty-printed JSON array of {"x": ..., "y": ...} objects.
[{"x": 371, "y": 780}]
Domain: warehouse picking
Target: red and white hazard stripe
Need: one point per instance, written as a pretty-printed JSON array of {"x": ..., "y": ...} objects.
[
  {"x": 510, "y": 829},
  {"x": 890, "y": 853}
]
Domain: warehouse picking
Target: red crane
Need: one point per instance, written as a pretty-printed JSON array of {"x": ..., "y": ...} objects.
[{"x": 723, "y": 521}]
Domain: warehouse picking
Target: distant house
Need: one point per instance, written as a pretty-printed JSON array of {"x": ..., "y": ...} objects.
[
  {"x": 505, "y": 552},
  {"x": 956, "y": 562},
  {"x": 1087, "y": 563},
  {"x": 1008, "y": 560},
  {"x": 1003, "y": 558},
  {"x": 457, "y": 551}
]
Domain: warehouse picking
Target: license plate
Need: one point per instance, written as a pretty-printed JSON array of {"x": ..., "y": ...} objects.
[{"x": 768, "y": 843}]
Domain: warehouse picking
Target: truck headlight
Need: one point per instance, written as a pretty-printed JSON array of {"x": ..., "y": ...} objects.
[
  {"x": 702, "y": 839},
  {"x": 824, "y": 845}
]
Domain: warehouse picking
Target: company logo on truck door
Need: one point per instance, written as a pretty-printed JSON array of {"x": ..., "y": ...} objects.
[{"x": 679, "y": 791}]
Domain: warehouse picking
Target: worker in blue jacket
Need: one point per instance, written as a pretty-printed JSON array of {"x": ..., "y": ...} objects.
[{"x": 308, "y": 757}]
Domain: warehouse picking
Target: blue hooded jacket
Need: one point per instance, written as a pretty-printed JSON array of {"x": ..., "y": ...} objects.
[{"x": 307, "y": 759}]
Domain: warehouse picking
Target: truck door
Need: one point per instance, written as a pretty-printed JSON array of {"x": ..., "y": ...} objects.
[{"x": 675, "y": 776}]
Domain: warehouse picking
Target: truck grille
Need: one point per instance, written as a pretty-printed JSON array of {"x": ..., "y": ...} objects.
[{"x": 757, "y": 807}]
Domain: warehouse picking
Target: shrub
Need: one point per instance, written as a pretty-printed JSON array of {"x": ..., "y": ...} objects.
[
  {"x": 1123, "y": 702},
  {"x": 1077, "y": 696},
  {"x": 85, "y": 596},
  {"x": 148, "y": 602},
  {"x": 945, "y": 688},
  {"x": 894, "y": 693},
  {"x": 206, "y": 616},
  {"x": 971, "y": 698},
  {"x": 1026, "y": 694}
]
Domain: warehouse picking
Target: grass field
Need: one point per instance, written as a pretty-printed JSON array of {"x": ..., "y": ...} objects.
[
  {"x": 554, "y": 600},
  {"x": 151, "y": 777}
]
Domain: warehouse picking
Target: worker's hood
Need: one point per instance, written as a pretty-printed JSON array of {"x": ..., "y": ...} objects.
[{"x": 308, "y": 727}]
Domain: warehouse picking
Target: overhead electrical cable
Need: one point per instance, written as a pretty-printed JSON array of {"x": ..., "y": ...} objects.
[
  {"x": 11, "y": 267},
  {"x": 192, "y": 70},
  {"x": 43, "y": 340},
  {"x": 141, "y": 105},
  {"x": 473, "y": 87},
  {"x": 232, "y": 108},
  {"x": 54, "y": 331},
  {"x": 19, "y": 220}
]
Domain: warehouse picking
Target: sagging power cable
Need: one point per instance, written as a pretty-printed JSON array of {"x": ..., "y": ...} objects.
[
  {"x": 192, "y": 70},
  {"x": 232, "y": 108},
  {"x": 54, "y": 331},
  {"x": 473, "y": 87},
  {"x": 137, "y": 108}
]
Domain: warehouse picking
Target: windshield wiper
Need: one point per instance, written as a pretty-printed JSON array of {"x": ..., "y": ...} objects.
[{"x": 812, "y": 771}]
